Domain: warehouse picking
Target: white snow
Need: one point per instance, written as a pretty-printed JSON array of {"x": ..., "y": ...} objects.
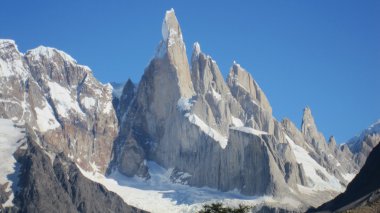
[
  {"x": 6, "y": 42},
  {"x": 5, "y": 70},
  {"x": 216, "y": 95},
  {"x": 63, "y": 100},
  {"x": 348, "y": 176},
  {"x": 45, "y": 118},
  {"x": 197, "y": 48},
  {"x": 86, "y": 68},
  {"x": 221, "y": 139},
  {"x": 237, "y": 122},
  {"x": 249, "y": 130},
  {"x": 239, "y": 126},
  {"x": 49, "y": 53},
  {"x": 159, "y": 195},
  {"x": 184, "y": 104},
  {"x": 11, "y": 138},
  {"x": 235, "y": 63},
  {"x": 14, "y": 67},
  {"x": 88, "y": 102},
  {"x": 108, "y": 107},
  {"x": 171, "y": 40},
  {"x": 98, "y": 91},
  {"x": 310, "y": 167}
]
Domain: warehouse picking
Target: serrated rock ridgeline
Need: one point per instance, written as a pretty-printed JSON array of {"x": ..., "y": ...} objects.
[{"x": 222, "y": 132}]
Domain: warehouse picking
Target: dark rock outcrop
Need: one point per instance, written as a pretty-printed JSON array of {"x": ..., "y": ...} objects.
[
  {"x": 363, "y": 190},
  {"x": 53, "y": 183}
]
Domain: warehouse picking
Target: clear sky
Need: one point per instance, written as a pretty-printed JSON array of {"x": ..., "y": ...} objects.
[{"x": 324, "y": 54}]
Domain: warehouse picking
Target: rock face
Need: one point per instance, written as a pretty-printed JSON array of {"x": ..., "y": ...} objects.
[
  {"x": 69, "y": 109},
  {"x": 364, "y": 190},
  {"x": 53, "y": 183},
  {"x": 335, "y": 159},
  {"x": 44, "y": 181},
  {"x": 362, "y": 144},
  {"x": 310, "y": 131},
  {"x": 184, "y": 116},
  {"x": 221, "y": 133}
]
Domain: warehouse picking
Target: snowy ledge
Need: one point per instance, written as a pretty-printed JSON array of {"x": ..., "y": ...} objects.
[{"x": 249, "y": 130}]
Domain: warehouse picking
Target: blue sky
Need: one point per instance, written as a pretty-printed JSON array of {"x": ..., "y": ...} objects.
[{"x": 324, "y": 54}]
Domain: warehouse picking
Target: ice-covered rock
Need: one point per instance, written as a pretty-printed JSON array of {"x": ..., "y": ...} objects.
[{"x": 61, "y": 99}]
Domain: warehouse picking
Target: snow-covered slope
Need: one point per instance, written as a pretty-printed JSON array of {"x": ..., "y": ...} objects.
[
  {"x": 159, "y": 193},
  {"x": 318, "y": 176},
  {"x": 11, "y": 138}
]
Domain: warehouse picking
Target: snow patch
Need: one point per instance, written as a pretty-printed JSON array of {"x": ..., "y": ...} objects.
[
  {"x": 311, "y": 166},
  {"x": 6, "y": 42},
  {"x": 63, "y": 100},
  {"x": 49, "y": 53},
  {"x": 184, "y": 104},
  {"x": 221, "y": 139},
  {"x": 249, "y": 130},
  {"x": 216, "y": 95},
  {"x": 348, "y": 176},
  {"x": 11, "y": 138},
  {"x": 88, "y": 103},
  {"x": 11, "y": 68},
  {"x": 108, "y": 107},
  {"x": 196, "y": 48},
  {"x": 45, "y": 118},
  {"x": 237, "y": 122},
  {"x": 236, "y": 64}
]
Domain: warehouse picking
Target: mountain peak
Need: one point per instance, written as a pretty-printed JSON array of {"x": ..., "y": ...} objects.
[
  {"x": 332, "y": 142},
  {"x": 196, "y": 48},
  {"x": 171, "y": 36},
  {"x": 8, "y": 45},
  {"x": 307, "y": 118},
  {"x": 170, "y": 27},
  {"x": 310, "y": 131},
  {"x": 308, "y": 123},
  {"x": 49, "y": 52},
  {"x": 240, "y": 79},
  {"x": 6, "y": 42},
  {"x": 235, "y": 64}
]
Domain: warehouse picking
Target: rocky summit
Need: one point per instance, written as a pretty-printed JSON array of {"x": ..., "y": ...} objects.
[{"x": 180, "y": 137}]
